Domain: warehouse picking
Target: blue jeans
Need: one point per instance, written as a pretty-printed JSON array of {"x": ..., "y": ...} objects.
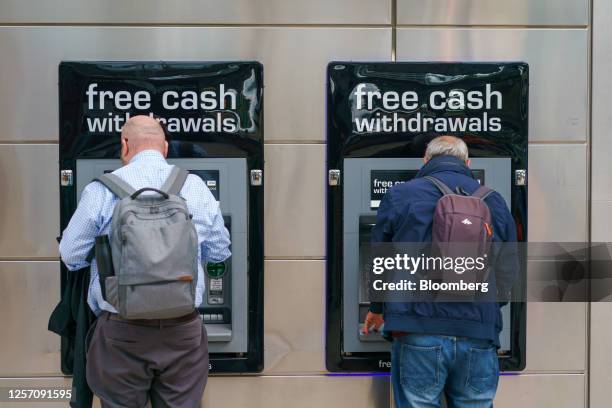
[{"x": 424, "y": 367}]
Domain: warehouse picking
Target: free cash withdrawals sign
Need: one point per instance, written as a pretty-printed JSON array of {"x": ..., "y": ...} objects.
[
  {"x": 198, "y": 102},
  {"x": 413, "y": 102}
]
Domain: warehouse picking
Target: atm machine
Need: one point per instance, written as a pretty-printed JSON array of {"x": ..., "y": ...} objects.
[
  {"x": 229, "y": 163},
  {"x": 360, "y": 162}
]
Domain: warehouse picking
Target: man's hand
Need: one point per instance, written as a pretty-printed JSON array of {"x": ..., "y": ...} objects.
[{"x": 373, "y": 321}]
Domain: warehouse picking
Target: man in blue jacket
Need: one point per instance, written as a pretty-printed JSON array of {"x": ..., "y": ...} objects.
[{"x": 442, "y": 348}]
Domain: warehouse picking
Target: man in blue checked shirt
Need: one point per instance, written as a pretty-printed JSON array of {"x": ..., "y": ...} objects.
[{"x": 132, "y": 361}]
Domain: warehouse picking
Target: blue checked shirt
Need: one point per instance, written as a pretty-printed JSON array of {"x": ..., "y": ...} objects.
[{"x": 94, "y": 212}]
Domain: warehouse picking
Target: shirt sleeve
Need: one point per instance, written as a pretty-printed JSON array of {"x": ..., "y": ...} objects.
[
  {"x": 215, "y": 247},
  {"x": 208, "y": 220},
  {"x": 79, "y": 237}
]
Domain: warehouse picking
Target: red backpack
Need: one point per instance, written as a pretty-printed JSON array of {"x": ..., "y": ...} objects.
[{"x": 462, "y": 228}]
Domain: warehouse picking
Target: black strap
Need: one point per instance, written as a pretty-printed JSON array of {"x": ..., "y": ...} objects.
[
  {"x": 142, "y": 190},
  {"x": 174, "y": 182},
  {"x": 116, "y": 185},
  {"x": 439, "y": 185},
  {"x": 91, "y": 255},
  {"x": 482, "y": 192}
]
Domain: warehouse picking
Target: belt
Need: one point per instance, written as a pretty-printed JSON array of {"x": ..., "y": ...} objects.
[{"x": 156, "y": 322}]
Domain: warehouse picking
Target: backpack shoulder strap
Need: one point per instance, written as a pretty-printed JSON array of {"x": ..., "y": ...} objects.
[
  {"x": 175, "y": 181},
  {"x": 116, "y": 185},
  {"x": 482, "y": 192},
  {"x": 439, "y": 185}
]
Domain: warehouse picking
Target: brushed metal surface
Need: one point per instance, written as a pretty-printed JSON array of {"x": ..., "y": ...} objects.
[
  {"x": 601, "y": 221},
  {"x": 29, "y": 214},
  {"x": 541, "y": 391},
  {"x": 601, "y": 193},
  {"x": 555, "y": 347},
  {"x": 601, "y": 97},
  {"x": 600, "y": 340},
  {"x": 295, "y": 199},
  {"x": 294, "y": 60},
  {"x": 557, "y": 184},
  {"x": 294, "y": 318},
  {"x": 198, "y": 11},
  {"x": 558, "y": 98},
  {"x": 297, "y": 392},
  {"x": 28, "y": 293},
  {"x": 493, "y": 12}
]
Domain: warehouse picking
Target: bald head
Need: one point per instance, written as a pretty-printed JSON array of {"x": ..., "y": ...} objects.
[
  {"x": 447, "y": 146},
  {"x": 142, "y": 133}
]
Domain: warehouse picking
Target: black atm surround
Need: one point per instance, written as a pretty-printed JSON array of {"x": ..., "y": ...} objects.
[
  {"x": 247, "y": 143},
  {"x": 343, "y": 142}
]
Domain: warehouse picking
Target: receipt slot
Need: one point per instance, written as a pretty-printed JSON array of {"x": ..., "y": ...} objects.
[
  {"x": 228, "y": 160},
  {"x": 369, "y": 150}
]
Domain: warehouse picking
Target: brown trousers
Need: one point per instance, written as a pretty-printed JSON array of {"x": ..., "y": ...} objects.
[{"x": 130, "y": 363}]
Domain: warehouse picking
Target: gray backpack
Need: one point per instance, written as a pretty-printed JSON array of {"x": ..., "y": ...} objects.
[
  {"x": 154, "y": 248},
  {"x": 462, "y": 228}
]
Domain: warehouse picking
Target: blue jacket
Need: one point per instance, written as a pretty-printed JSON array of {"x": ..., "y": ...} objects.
[{"x": 406, "y": 215}]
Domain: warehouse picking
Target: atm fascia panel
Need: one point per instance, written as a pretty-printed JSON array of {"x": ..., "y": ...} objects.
[{"x": 498, "y": 158}]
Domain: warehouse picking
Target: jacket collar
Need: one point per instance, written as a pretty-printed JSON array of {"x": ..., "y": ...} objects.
[{"x": 446, "y": 164}]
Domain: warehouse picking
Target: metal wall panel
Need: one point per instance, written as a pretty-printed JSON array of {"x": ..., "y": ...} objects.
[
  {"x": 28, "y": 293},
  {"x": 297, "y": 392},
  {"x": 29, "y": 214},
  {"x": 493, "y": 12},
  {"x": 602, "y": 95},
  {"x": 558, "y": 98},
  {"x": 294, "y": 320},
  {"x": 601, "y": 193},
  {"x": 295, "y": 199},
  {"x": 557, "y": 174},
  {"x": 554, "y": 347},
  {"x": 295, "y": 61},
  {"x": 601, "y": 220},
  {"x": 599, "y": 370},
  {"x": 557, "y": 182},
  {"x": 541, "y": 391},
  {"x": 198, "y": 11}
]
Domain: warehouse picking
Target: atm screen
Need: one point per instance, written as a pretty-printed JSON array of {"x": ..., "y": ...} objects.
[
  {"x": 211, "y": 178},
  {"x": 382, "y": 180}
]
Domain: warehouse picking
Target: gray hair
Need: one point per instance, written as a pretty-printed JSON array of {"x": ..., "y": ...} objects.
[{"x": 447, "y": 146}]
